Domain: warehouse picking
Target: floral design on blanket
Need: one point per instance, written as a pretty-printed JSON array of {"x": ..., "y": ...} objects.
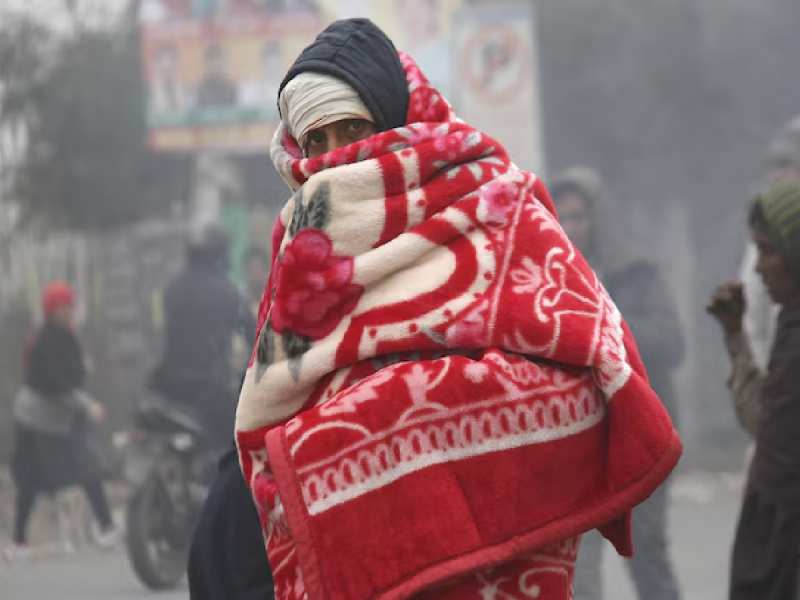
[{"x": 313, "y": 287}]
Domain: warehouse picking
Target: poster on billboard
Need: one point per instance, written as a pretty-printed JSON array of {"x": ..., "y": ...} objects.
[{"x": 213, "y": 68}]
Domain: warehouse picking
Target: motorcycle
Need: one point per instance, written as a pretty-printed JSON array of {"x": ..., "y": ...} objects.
[{"x": 169, "y": 468}]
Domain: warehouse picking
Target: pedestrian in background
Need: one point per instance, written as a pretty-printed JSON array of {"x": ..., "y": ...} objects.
[
  {"x": 765, "y": 564},
  {"x": 54, "y": 417},
  {"x": 228, "y": 560},
  {"x": 639, "y": 290},
  {"x": 760, "y": 316},
  {"x": 204, "y": 313}
]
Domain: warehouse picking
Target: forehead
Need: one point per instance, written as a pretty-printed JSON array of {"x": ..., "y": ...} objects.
[
  {"x": 340, "y": 123},
  {"x": 327, "y": 126}
]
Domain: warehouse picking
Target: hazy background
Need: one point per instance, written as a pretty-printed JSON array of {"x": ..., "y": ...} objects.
[{"x": 674, "y": 103}]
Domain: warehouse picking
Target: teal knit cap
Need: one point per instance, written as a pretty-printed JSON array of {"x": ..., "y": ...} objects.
[{"x": 780, "y": 206}]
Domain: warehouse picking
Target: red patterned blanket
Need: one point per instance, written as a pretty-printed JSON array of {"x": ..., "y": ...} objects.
[{"x": 440, "y": 383}]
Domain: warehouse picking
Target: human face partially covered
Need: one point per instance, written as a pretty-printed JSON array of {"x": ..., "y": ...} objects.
[
  {"x": 781, "y": 284},
  {"x": 336, "y": 135}
]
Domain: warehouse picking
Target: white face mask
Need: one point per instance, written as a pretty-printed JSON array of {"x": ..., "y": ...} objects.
[{"x": 313, "y": 100}]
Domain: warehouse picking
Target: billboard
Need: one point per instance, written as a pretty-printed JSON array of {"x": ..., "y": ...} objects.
[{"x": 213, "y": 68}]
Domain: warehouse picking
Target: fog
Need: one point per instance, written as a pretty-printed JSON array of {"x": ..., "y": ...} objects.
[{"x": 674, "y": 103}]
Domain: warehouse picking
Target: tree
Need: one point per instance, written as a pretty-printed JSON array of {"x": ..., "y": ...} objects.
[
  {"x": 23, "y": 44},
  {"x": 87, "y": 165}
]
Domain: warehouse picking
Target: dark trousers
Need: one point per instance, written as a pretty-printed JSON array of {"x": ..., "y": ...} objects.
[
  {"x": 26, "y": 499},
  {"x": 228, "y": 560},
  {"x": 765, "y": 563},
  {"x": 44, "y": 463},
  {"x": 651, "y": 567}
]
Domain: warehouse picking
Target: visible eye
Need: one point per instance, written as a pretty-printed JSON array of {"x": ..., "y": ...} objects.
[
  {"x": 355, "y": 126},
  {"x": 357, "y": 129},
  {"x": 315, "y": 143}
]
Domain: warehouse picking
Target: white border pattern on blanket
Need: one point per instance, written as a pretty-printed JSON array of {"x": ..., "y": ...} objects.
[{"x": 388, "y": 458}]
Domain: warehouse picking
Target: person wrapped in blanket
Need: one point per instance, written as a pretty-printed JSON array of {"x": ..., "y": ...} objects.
[
  {"x": 442, "y": 396},
  {"x": 765, "y": 562}
]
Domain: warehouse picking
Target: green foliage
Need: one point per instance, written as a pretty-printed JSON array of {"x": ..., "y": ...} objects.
[{"x": 87, "y": 164}]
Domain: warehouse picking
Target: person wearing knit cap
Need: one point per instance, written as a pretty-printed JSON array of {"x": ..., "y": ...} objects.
[
  {"x": 782, "y": 164},
  {"x": 777, "y": 213},
  {"x": 765, "y": 561},
  {"x": 52, "y": 414}
]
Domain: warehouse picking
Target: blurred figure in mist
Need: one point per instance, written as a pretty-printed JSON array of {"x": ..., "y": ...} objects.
[
  {"x": 203, "y": 313},
  {"x": 766, "y": 558},
  {"x": 53, "y": 417},
  {"x": 228, "y": 559},
  {"x": 761, "y": 314},
  {"x": 638, "y": 289}
]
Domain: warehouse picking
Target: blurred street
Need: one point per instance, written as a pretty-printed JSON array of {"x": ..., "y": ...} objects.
[
  {"x": 704, "y": 512},
  {"x": 86, "y": 575}
]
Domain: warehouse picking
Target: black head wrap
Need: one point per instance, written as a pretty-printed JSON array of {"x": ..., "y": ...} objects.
[{"x": 360, "y": 54}]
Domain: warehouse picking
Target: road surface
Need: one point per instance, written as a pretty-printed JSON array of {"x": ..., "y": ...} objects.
[{"x": 703, "y": 518}]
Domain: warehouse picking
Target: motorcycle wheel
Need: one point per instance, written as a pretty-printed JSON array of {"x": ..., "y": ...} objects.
[{"x": 158, "y": 561}]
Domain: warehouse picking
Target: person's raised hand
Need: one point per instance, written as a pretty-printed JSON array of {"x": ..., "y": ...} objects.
[{"x": 727, "y": 306}]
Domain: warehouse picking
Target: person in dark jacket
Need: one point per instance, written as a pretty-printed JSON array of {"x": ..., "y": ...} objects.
[
  {"x": 203, "y": 313},
  {"x": 636, "y": 286},
  {"x": 765, "y": 562},
  {"x": 228, "y": 560},
  {"x": 52, "y": 416}
]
